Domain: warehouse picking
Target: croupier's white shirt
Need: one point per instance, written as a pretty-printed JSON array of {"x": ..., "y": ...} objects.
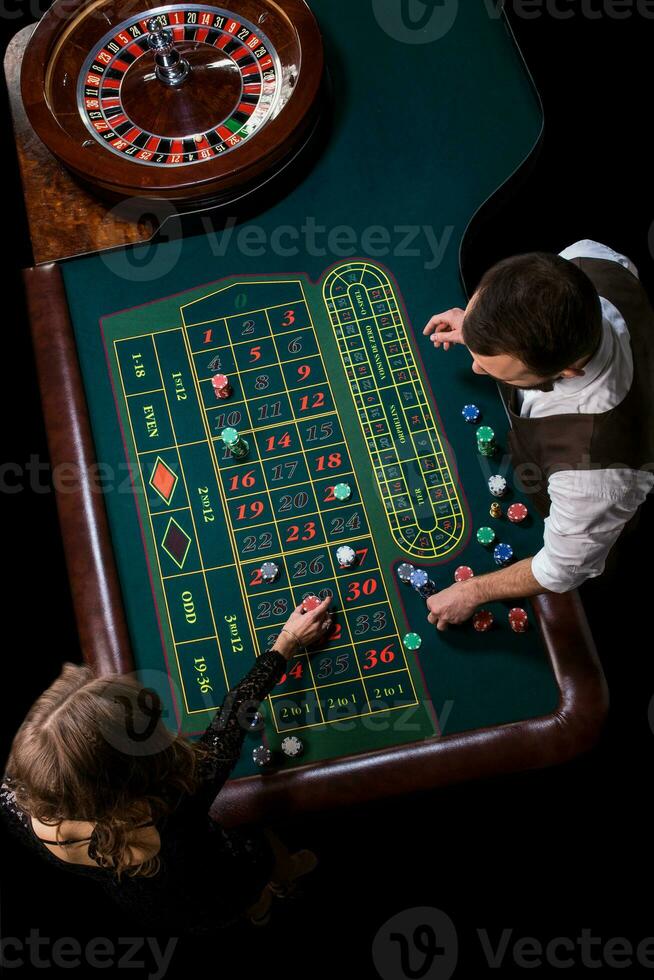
[{"x": 589, "y": 507}]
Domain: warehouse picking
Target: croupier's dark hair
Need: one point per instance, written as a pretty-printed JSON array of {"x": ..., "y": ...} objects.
[{"x": 537, "y": 307}]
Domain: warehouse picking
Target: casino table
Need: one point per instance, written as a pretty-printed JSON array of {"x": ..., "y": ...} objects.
[{"x": 313, "y": 308}]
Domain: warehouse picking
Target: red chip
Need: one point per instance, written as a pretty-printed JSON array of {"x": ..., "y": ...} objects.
[
  {"x": 311, "y": 602},
  {"x": 483, "y": 620},
  {"x": 517, "y": 513},
  {"x": 463, "y": 573},
  {"x": 519, "y": 620},
  {"x": 221, "y": 386}
]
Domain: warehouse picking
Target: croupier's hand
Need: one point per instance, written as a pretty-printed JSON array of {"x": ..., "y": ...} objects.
[
  {"x": 453, "y": 605},
  {"x": 446, "y": 328}
]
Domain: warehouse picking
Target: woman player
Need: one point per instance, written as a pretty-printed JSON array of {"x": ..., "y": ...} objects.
[{"x": 98, "y": 785}]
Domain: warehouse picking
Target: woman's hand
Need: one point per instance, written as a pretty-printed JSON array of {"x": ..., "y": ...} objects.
[
  {"x": 446, "y": 328},
  {"x": 304, "y": 629}
]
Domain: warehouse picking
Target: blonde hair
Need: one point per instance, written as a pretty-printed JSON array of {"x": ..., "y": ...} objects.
[{"x": 77, "y": 757}]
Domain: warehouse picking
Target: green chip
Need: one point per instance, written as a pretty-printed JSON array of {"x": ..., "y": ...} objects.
[
  {"x": 485, "y": 536},
  {"x": 412, "y": 641},
  {"x": 485, "y": 434},
  {"x": 230, "y": 436},
  {"x": 241, "y": 449},
  {"x": 342, "y": 491}
]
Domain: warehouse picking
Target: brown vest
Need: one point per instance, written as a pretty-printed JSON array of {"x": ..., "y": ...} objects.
[{"x": 620, "y": 438}]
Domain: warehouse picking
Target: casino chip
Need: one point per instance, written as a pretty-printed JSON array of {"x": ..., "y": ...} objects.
[
  {"x": 463, "y": 573},
  {"x": 503, "y": 554},
  {"x": 237, "y": 445},
  {"x": 485, "y": 434},
  {"x": 262, "y": 755},
  {"x": 342, "y": 491},
  {"x": 486, "y": 536},
  {"x": 497, "y": 485},
  {"x": 518, "y": 620},
  {"x": 483, "y": 620},
  {"x": 292, "y": 746},
  {"x": 412, "y": 641},
  {"x": 517, "y": 513},
  {"x": 269, "y": 571},
  {"x": 471, "y": 413},
  {"x": 486, "y": 441},
  {"x": 221, "y": 386},
  {"x": 346, "y": 556},
  {"x": 421, "y": 582},
  {"x": 404, "y": 572},
  {"x": 310, "y": 602}
]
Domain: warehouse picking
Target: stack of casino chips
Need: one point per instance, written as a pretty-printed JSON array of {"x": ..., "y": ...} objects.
[
  {"x": 486, "y": 441},
  {"x": 486, "y": 536},
  {"x": 236, "y": 444},
  {"x": 421, "y": 582},
  {"x": 503, "y": 554},
  {"x": 517, "y": 513},
  {"x": 292, "y": 746},
  {"x": 221, "y": 386},
  {"x": 346, "y": 556},
  {"x": 463, "y": 573},
  {"x": 497, "y": 485},
  {"x": 483, "y": 620},
  {"x": 518, "y": 620},
  {"x": 404, "y": 572},
  {"x": 471, "y": 413},
  {"x": 262, "y": 755},
  {"x": 269, "y": 572}
]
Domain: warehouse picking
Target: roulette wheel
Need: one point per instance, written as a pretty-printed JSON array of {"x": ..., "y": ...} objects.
[{"x": 183, "y": 102}]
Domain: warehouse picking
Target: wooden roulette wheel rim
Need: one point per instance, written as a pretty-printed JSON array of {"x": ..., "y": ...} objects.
[{"x": 88, "y": 69}]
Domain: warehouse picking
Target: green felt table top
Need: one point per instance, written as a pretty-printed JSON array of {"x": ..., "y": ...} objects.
[{"x": 423, "y": 134}]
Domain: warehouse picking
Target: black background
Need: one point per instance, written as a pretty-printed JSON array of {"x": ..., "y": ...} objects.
[{"x": 544, "y": 854}]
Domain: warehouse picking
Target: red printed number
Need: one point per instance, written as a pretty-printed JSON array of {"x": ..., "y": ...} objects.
[
  {"x": 367, "y": 587},
  {"x": 306, "y": 533},
  {"x": 255, "y": 509},
  {"x": 386, "y": 656}
]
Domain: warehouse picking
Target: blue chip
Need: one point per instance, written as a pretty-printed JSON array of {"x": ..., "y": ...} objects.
[
  {"x": 503, "y": 554},
  {"x": 419, "y": 579},
  {"x": 471, "y": 413}
]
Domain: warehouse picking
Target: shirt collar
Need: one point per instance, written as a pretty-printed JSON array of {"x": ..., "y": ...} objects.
[{"x": 592, "y": 371}]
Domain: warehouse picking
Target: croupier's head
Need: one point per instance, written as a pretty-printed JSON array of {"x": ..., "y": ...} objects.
[{"x": 533, "y": 319}]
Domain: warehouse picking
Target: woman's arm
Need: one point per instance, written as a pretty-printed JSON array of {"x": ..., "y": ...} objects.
[{"x": 224, "y": 737}]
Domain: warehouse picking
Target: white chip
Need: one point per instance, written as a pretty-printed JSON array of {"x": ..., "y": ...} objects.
[
  {"x": 497, "y": 485},
  {"x": 292, "y": 746}
]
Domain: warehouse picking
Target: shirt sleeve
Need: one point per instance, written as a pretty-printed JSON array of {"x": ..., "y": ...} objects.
[{"x": 589, "y": 510}]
